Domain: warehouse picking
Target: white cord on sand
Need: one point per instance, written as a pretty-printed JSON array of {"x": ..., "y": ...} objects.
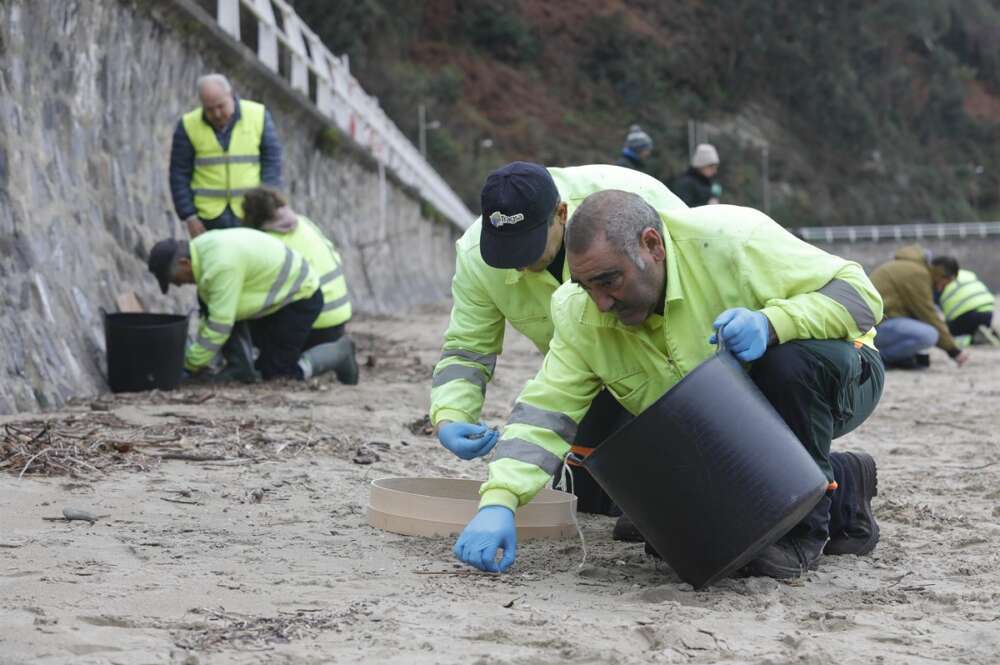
[{"x": 566, "y": 471}]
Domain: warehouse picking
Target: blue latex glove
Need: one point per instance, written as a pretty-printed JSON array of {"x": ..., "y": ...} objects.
[
  {"x": 466, "y": 440},
  {"x": 490, "y": 530},
  {"x": 744, "y": 332}
]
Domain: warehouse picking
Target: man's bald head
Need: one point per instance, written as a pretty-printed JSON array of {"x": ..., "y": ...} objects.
[
  {"x": 217, "y": 100},
  {"x": 620, "y": 217}
]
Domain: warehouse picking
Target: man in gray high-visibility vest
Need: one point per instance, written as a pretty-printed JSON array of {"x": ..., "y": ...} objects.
[
  {"x": 220, "y": 150},
  {"x": 966, "y": 302}
]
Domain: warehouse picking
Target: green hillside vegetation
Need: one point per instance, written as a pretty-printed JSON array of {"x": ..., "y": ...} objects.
[{"x": 874, "y": 112}]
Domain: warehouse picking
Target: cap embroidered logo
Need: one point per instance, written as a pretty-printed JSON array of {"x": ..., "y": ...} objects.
[{"x": 498, "y": 219}]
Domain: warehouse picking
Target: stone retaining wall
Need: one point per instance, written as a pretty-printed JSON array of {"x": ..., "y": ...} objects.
[{"x": 90, "y": 92}]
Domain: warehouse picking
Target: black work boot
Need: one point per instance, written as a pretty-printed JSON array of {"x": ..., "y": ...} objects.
[
  {"x": 788, "y": 558},
  {"x": 626, "y": 532},
  {"x": 853, "y": 529},
  {"x": 238, "y": 352},
  {"x": 798, "y": 550}
]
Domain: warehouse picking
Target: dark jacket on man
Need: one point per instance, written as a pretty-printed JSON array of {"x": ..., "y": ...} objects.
[
  {"x": 630, "y": 160},
  {"x": 693, "y": 188}
]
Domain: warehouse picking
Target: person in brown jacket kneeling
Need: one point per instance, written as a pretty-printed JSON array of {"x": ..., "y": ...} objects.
[{"x": 911, "y": 322}]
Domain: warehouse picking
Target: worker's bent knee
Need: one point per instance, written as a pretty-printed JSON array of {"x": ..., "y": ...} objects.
[
  {"x": 925, "y": 334},
  {"x": 781, "y": 366}
]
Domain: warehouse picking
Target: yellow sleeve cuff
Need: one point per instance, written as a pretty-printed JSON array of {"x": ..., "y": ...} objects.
[
  {"x": 453, "y": 415},
  {"x": 499, "y": 497},
  {"x": 783, "y": 324}
]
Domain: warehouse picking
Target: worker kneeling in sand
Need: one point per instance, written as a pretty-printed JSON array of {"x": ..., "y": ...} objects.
[
  {"x": 911, "y": 323},
  {"x": 243, "y": 275},
  {"x": 967, "y": 303},
  {"x": 266, "y": 209},
  {"x": 508, "y": 264},
  {"x": 648, "y": 288}
]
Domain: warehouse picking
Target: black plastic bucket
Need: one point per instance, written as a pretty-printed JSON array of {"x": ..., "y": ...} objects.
[
  {"x": 145, "y": 351},
  {"x": 710, "y": 474}
]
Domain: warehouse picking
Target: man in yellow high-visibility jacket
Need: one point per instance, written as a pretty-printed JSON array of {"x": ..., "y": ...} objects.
[
  {"x": 966, "y": 302},
  {"x": 508, "y": 265},
  {"x": 648, "y": 288},
  {"x": 244, "y": 275},
  {"x": 328, "y": 344},
  {"x": 220, "y": 150}
]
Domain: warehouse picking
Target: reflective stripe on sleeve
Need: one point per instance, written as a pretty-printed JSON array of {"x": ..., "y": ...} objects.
[
  {"x": 560, "y": 423},
  {"x": 488, "y": 360},
  {"x": 841, "y": 292},
  {"x": 207, "y": 343},
  {"x": 456, "y": 372},
  {"x": 531, "y": 453},
  {"x": 342, "y": 300},
  {"x": 330, "y": 276},
  {"x": 221, "y": 328}
]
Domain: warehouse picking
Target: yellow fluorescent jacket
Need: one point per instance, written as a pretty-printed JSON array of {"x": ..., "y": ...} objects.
[
  {"x": 242, "y": 274},
  {"x": 485, "y": 298},
  {"x": 717, "y": 257}
]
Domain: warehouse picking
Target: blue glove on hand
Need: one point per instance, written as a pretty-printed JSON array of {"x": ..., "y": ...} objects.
[
  {"x": 490, "y": 530},
  {"x": 466, "y": 440},
  {"x": 744, "y": 332}
]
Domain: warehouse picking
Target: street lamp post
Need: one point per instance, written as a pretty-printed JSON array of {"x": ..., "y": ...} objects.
[{"x": 423, "y": 126}]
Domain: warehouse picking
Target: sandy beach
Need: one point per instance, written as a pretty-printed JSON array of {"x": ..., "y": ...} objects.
[{"x": 255, "y": 547}]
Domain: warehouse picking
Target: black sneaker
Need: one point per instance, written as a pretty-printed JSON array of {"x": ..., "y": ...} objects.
[
  {"x": 862, "y": 535},
  {"x": 786, "y": 559},
  {"x": 626, "y": 532}
]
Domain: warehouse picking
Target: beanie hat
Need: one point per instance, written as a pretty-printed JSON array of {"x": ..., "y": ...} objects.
[
  {"x": 704, "y": 155},
  {"x": 638, "y": 139}
]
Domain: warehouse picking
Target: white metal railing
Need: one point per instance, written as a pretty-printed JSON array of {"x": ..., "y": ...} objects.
[
  {"x": 339, "y": 96},
  {"x": 933, "y": 231}
]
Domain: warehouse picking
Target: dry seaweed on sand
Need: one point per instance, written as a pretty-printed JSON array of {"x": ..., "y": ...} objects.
[
  {"x": 231, "y": 630},
  {"x": 76, "y": 446}
]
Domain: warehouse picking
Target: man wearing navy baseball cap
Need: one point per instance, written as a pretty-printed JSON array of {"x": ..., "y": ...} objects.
[{"x": 508, "y": 264}]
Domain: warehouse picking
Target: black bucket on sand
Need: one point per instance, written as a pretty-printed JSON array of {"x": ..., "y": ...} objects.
[
  {"x": 145, "y": 351},
  {"x": 710, "y": 474}
]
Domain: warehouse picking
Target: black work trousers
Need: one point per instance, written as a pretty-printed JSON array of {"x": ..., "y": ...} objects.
[
  {"x": 822, "y": 389},
  {"x": 281, "y": 336},
  {"x": 319, "y": 336},
  {"x": 968, "y": 323}
]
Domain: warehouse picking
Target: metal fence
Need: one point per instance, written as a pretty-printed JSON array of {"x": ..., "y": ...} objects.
[
  {"x": 289, "y": 48},
  {"x": 898, "y": 232}
]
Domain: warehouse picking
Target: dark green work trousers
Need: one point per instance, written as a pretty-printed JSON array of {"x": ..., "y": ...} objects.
[{"x": 822, "y": 389}]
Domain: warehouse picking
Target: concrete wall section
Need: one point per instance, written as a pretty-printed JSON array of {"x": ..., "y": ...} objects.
[
  {"x": 90, "y": 91},
  {"x": 981, "y": 255}
]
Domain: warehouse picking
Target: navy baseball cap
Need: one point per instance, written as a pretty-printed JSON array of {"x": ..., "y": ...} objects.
[
  {"x": 161, "y": 258},
  {"x": 518, "y": 201}
]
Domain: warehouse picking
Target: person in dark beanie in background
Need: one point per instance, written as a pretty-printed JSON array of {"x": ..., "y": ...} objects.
[
  {"x": 697, "y": 186},
  {"x": 637, "y": 149}
]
